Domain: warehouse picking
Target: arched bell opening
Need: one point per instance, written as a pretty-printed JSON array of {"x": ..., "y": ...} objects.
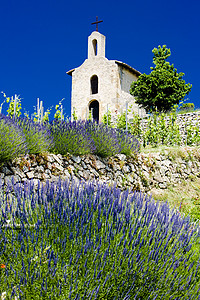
[
  {"x": 94, "y": 109},
  {"x": 94, "y": 43}
]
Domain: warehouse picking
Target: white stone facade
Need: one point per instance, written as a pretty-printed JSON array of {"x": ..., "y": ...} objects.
[{"x": 100, "y": 84}]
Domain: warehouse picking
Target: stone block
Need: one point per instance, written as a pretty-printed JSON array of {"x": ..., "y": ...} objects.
[
  {"x": 163, "y": 170},
  {"x": 40, "y": 169},
  {"x": 162, "y": 185},
  {"x": 84, "y": 174},
  {"x": 126, "y": 169},
  {"x": 47, "y": 171},
  {"x": 46, "y": 176},
  {"x": 116, "y": 167},
  {"x": 56, "y": 158},
  {"x": 129, "y": 178},
  {"x": 60, "y": 157},
  {"x": 94, "y": 172},
  {"x": 30, "y": 175},
  {"x": 108, "y": 169},
  {"x": 11, "y": 179},
  {"x": 25, "y": 169},
  {"x": 66, "y": 173},
  {"x": 157, "y": 177},
  {"x": 6, "y": 170},
  {"x": 50, "y": 158},
  {"x": 146, "y": 175},
  {"x": 121, "y": 157},
  {"x": 166, "y": 163},
  {"x": 78, "y": 166},
  {"x": 76, "y": 159},
  {"x": 83, "y": 164},
  {"x": 57, "y": 166},
  {"x": 133, "y": 169},
  {"x": 99, "y": 165},
  {"x": 19, "y": 172},
  {"x": 2, "y": 175}
]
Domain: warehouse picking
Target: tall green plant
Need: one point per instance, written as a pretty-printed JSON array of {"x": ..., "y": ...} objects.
[
  {"x": 151, "y": 135},
  {"x": 135, "y": 126},
  {"x": 163, "y": 129},
  {"x": 59, "y": 111},
  {"x": 174, "y": 135},
  {"x": 121, "y": 121},
  {"x": 163, "y": 87},
  {"x": 14, "y": 108},
  {"x": 107, "y": 118},
  {"x": 192, "y": 134}
]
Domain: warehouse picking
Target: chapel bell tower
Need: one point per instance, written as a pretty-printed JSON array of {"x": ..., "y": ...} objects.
[
  {"x": 99, "y": 84},
  {"x": 96, "y": 45}
]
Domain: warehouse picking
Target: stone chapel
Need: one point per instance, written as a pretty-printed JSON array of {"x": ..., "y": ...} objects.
[{"x": 99, "y": 84}]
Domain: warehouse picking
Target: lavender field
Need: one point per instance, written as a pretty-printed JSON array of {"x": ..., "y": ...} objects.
[
  {"x": 67, "y": 240},
  {"x": 19, "y": 136},
  {"x": 77, "y": 241}
]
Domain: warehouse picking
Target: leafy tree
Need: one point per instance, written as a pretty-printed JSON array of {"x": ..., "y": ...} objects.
[{"x": 163, "y": 87}]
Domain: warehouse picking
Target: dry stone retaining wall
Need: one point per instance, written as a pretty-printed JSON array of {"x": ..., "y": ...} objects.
[{"x": 143, "y": 172}]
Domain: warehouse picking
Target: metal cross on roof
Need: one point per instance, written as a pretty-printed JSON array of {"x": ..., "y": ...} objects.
[{"x": 97, "y": 22}]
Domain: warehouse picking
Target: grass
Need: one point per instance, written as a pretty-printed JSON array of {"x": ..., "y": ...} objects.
[
  {"x": 185, "y": 196},
  {"x": 176, "y": 151},
  {"x": 182, "y": 111}
]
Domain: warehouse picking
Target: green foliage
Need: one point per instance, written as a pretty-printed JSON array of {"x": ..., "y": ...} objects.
[
  {"x": 161, "y": 132},
  {"x": 59, "y": 111},
  {"x": 135, "y": 126},
  {"x": 192, "y": 134},
  {"x": 160, "y": 129},
  {"x": 121, "y": 121},
  {"x": 90, "y": 118},
  {"x": 152, "y": 133},
  {"x": 74, "y": 115},
  {"x": 14, "y": 105},
  {"x": 107, "y": 118},
  {"x": 163, "y": 87},
  {"x": 187, "y": 106},
  {"x": 46, "y": 116},
  {"x": 174, "y": 137},
  {"x": 42, "y": 119},
  {"x": 163, "y": 129}
]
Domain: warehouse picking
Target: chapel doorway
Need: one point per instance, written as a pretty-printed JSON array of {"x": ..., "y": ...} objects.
[{"x": 94, "y": 109}]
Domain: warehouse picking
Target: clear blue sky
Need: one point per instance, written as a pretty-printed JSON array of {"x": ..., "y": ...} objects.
[{"x": 42, "y": 39}]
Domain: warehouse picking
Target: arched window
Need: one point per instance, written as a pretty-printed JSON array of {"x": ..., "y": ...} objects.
[
  {"x": 94, "y": 84},
  {"x": 94, "y": 43},
  {"x": 94, "y": 108}
]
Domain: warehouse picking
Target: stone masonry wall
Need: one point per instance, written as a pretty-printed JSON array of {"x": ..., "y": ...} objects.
[{"x": 143, "y": 172}]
